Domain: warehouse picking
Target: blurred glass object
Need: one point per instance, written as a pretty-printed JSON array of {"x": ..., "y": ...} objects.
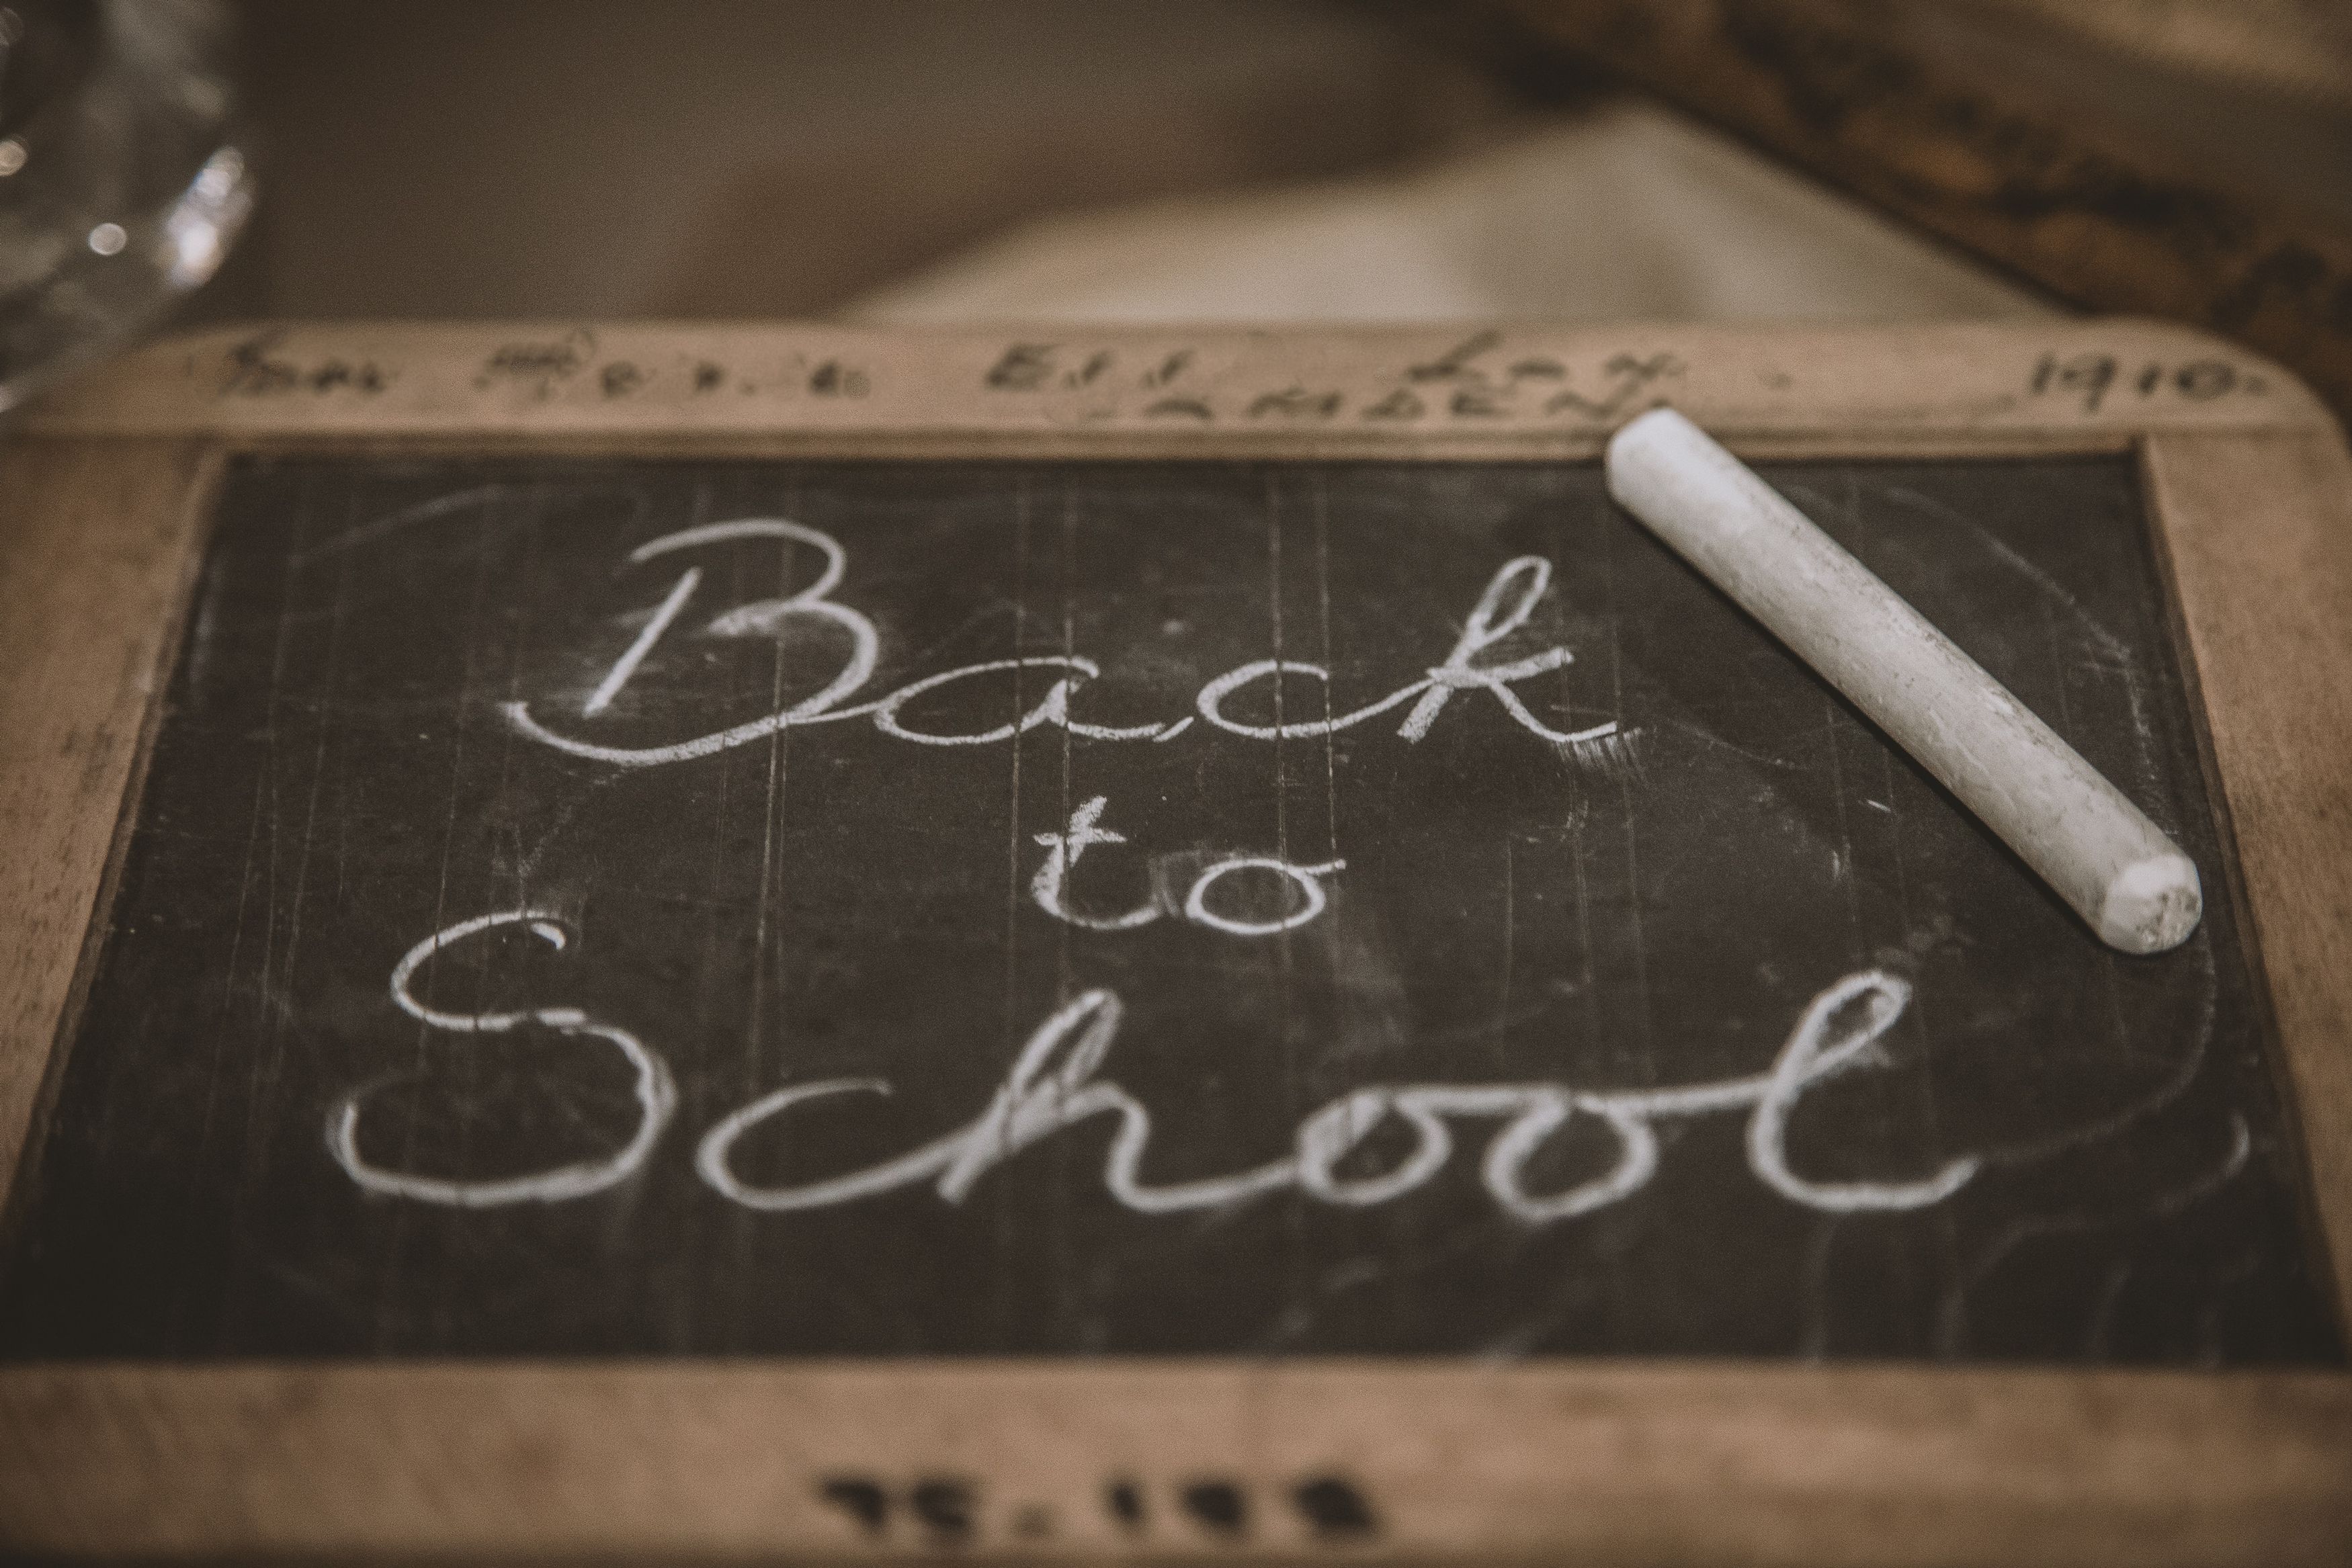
[{"x": 124, "y": 176}]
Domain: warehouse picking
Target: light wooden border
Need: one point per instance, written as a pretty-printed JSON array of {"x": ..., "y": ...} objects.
[{"x": 103, "y": 496}]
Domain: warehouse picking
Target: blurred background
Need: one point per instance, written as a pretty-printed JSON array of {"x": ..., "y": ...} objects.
[
  {"x": 1237, "y": 159},
  {"x": 1307, "y": 159},
  {"x": 1232, "y": 159}
]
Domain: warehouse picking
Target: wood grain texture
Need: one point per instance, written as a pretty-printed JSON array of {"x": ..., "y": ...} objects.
[
  {"x": 2102, "y": 220},
  {"x": 1501, "y": 390},
  {"x": 1632, "y": 1465},
  {"x": 1658, "y": 1463},
  {"x": 2259, "y": 535},
  {"x": 94, "y": 550}
]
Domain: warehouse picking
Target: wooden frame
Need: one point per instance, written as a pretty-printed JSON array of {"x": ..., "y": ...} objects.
[{"x": 104, "y": 494}]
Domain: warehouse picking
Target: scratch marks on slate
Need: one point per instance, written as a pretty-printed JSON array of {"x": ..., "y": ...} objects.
[
  {"x": 2116, "y": 653},
  {"x": 1293, "y": 1067},
  {"x": 1952, "y": 1327},
  {"x": 1615, "y": 755},
  {"x": 2169, "y": 1089},
  {"x": 395, "y": 522},
  {"x": 276, "y": 973},
  {"x": 1629, "y": 915},
  {"x": 2097, "y": 1333},
  {"x": 1510, "y": 895},
  {"x": 1322, "y": 496},
  {"x": 470, "y": 628},
  {"x": 1065, "y": 936},
  {"x": 1021, "y": 503},
  {"x": 1637, "y": 946},
  {"x": 1813, "y": 1335},
  {"x": 774, "y": 813}
]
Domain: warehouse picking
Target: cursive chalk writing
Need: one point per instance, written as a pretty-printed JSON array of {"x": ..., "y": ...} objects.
[
  {"x": 1063, "y": 849},
  {"x": 656, "y": 1095},
  {"x": 1509, "y": 599},
  {"x": 1055, "y": 1083}
]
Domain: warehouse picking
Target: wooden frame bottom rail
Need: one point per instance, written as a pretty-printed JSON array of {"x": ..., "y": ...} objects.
[{"x": 1803, "y": 1465}]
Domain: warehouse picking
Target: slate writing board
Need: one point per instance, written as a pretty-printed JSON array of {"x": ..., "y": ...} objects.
[{"x": 2030, "y": 1148}]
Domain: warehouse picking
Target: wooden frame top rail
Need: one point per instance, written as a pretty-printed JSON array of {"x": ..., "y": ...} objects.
[{"x": 1470, "y": 391}]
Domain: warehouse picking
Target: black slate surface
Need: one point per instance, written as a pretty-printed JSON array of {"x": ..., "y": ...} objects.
[{"x": 340, "y": 775}]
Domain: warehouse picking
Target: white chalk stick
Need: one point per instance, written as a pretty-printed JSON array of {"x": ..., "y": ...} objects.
[{"x": 2095, "y": 848}]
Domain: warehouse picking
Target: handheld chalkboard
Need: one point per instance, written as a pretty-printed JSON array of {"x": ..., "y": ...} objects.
[{"x": 790, "y": 941}]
